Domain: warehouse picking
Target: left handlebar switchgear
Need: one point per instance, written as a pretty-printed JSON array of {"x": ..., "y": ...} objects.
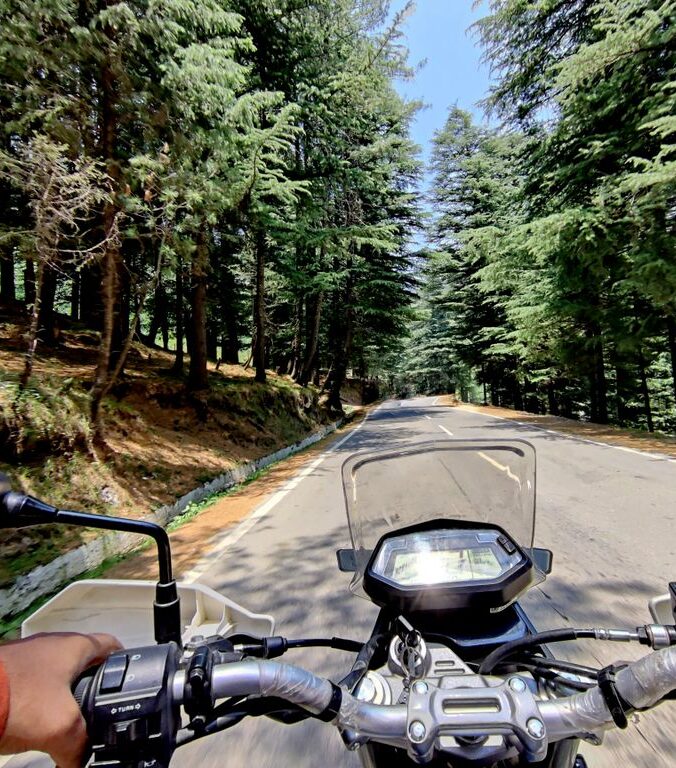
[{"x": 128, "y": 707}]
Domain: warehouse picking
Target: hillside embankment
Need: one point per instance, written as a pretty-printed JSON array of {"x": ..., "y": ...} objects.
[{"x": 162, "y": 440}]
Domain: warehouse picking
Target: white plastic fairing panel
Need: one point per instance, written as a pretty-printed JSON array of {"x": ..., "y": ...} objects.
[{"x": 125, "y": 609}]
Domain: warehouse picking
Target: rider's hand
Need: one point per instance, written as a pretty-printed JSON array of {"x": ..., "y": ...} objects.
[{"x": 43, "y": 714}]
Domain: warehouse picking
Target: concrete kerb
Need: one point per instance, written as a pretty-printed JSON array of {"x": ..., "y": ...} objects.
[{"x": 47, "y": 578}]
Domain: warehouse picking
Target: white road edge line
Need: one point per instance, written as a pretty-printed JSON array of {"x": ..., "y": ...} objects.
[
  {"x": 428, "y": 417},
  {"x": 447, "y": 431},
  {"x": 436, "y": 400},
  {"x": 225, "y": 540},
  {"x": 652, "y": 454}
]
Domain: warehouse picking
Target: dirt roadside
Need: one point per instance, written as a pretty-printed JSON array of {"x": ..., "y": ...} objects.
[
  {"x": 192, "y": 540},
  {"x": 625, "y": 438}
]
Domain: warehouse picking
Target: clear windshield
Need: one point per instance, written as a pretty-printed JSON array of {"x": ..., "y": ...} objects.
[{"x": 488, "y": 481}]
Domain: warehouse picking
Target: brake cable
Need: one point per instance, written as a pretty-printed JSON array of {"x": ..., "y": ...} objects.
[
  {"x": 547, "y": 674},
  {"x": 557, "y": 636}
]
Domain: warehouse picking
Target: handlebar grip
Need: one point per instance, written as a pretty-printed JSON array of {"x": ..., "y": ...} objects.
[
  {"x": 83, "y": 685},
  {"x": 83, "y": 691}
]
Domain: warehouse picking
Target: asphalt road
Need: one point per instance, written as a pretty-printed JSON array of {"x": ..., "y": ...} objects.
[{"x": 608, "y": 515}]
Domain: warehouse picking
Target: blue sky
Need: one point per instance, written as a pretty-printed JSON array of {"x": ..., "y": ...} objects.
[{"x": 438, "y": 31}]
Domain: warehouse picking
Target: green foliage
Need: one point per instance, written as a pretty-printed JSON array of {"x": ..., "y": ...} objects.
[
  {"x": 556, "y": 275},
  {"x": 242, "y": 146}
]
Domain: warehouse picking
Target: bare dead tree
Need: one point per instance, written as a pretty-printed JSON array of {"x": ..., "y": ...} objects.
[{"x": 63, "y": 192}]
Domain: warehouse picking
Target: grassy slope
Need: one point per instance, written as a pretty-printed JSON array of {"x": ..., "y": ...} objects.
[{"x": 164, "y": 440}]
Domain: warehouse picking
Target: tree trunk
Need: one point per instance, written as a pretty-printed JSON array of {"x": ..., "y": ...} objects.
[
  {"x": 180, "y": 331},
  {"x": 342, "y": 346},
  {"x": 29, "y": 283},
  {"x": 90, "y": 296},
  {"x": 645, "y": 392},
  {"x": 47, "y": 329},
  {"x": 314, "y": 323},
  {"x": 121, "y": 312},
  {"x": 212, "y": 342},
  {"x": 566, "y": 404},
  {"x": 620, "y": 391},
  {"x": 7, "y": 285},
  {"x": 552, "y": 400},
  {"x": 518, "y": 395},
  {"x": 75, "y": 297},
  {"x": 494, "y": 391},
  {"x": 598, "y": 388},
  {"x": 671, "y": 330},
  {"x": 259, "y": 308},
  {"x": 601, "y": 383},
  {"x": 339, "y": 368},
  {"x": 160, "y": 319},
  {"x": 249, "y": 361},
  {"x": 230, "y": 342},
  {"x": 111, "y": 259},
  {"x": 111, "y": 376},
  {"x": 296, "y": 344},
  {"x": 197, "y": 376},
  {"x": 159, "y": 313},
  {"x": 33, "y": 329},
  {"x": 108, "y": 289},
  {"x": 165, "y": 332}
]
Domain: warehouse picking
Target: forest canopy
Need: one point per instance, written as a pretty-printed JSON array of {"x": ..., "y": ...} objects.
[
  {"x": 231, "y": 179},
  {"x": 551, "y": 279},
  {"x": 235, "y": 180}
]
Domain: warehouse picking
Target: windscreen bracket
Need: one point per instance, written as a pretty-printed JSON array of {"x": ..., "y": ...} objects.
[{"x": 350, "y": 560}]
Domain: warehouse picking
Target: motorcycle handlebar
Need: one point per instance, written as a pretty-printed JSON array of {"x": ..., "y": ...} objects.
[
  {"x": 145, "y": 714},
  {"x": 642, "y": 684}
]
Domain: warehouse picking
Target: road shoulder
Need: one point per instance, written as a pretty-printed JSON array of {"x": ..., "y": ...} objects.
[{"x": 601, "y": 434}]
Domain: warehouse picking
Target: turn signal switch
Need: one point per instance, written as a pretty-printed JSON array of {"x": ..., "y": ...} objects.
[{"x": 127, "y": 705}]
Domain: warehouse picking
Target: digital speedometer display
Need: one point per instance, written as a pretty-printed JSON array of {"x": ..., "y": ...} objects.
[{"x": 447, "y": 565}]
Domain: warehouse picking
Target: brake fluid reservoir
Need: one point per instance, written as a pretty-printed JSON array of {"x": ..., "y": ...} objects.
[{"x": 374, "y": 689}]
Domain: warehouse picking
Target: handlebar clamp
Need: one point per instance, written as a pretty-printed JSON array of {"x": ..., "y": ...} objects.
[
  {"x": 491, "y": 707},
  {"x": 619, "y": 708}
]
